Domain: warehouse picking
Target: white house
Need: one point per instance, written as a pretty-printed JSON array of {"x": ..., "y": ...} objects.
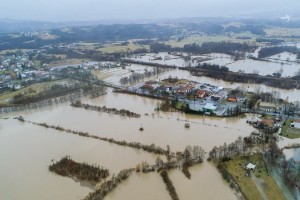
[
  {"x": 295, "y": 124},
  {"x": 209, "y": 107},
  {"x": 251, "y": 166}
]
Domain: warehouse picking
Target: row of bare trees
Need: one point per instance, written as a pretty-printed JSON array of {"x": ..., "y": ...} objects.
[
  {"x": 136, "y": 145},
  {"x": 122, "y": 112},
  {"x": 227, "y": 151},
  {"x": 181, "y": 160},
  {"x": 169, "y": 185},
  {"x": 109, "y": 186}
]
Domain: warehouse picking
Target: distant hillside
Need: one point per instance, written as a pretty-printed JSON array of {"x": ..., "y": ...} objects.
[
  {"x": 16, "y": 26},
  {"x": 70, "y": 32}
]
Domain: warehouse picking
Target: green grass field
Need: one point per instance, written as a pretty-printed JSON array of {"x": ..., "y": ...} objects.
[
  {"x": 288, "y": 132},
  {"x": 29, "y": 91},
  {"x": 113, "y": 48},
  {"x": 198, "y": 39},
  {"x": 236, "y": 168}
]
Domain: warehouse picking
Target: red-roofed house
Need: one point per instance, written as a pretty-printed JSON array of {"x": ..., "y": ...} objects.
[{"x": 200, "y": 93}]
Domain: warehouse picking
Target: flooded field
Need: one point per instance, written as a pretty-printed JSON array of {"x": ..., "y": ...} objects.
[
  {"x": 27, "y": 150},
  {"x": 286, "y": 62},
  {"x": 265, "y": 68},
  {"x": 114, "y": 75},
  {"x": 164, "y": 58}
]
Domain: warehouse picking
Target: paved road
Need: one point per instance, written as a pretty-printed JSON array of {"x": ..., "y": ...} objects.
[{"x": 259, "y": 187}]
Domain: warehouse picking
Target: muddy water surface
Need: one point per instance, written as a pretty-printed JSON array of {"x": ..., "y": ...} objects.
[{"x": 27, "y": 150}]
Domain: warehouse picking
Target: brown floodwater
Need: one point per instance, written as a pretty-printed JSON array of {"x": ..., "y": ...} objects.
[{"x": 26, "y": 150}]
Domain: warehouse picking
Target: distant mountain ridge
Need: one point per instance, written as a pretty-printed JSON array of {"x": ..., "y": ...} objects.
[{"x": 16, "y": 26}]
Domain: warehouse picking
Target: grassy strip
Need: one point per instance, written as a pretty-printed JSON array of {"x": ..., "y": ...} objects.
[
  {"x": 285, "y": 131},
  {"x": 235, "y": 168}
]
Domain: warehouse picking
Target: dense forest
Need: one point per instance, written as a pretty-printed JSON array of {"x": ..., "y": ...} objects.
[
  {"x": 117, "y": 32},
  {"x": 218, "y": 47},
  {"x": 207, "y": 47},
  {"x": 98, "y": 34},
  {"x": 256, "y": 29},
  {"x": 271, "y": 41}
]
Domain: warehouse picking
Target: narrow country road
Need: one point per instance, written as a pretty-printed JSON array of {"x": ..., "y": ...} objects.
[{"x": 259, "y": 187}]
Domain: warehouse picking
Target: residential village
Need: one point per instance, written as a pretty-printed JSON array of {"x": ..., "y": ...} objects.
[
  {"x": 17, "y": 72},
  {"x": 191, "y": 96}
]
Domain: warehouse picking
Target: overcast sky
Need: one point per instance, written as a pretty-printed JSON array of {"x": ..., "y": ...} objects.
[{"x": 83, "y": 10}]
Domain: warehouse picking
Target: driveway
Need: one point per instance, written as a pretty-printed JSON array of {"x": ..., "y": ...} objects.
[{"x": 259, "y": 186}]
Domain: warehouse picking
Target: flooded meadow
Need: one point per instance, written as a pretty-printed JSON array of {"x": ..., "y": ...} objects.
[{"x": 28, "y": 150}]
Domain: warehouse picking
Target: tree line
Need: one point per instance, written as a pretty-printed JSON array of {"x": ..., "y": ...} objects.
[
  {"x": 289, "y": 170},
  {"x": 270, "y": 51},
  {"x": 218, "y": 47},
  {"x": 212, "y": 67},
  {"x": 109, "y": 186},
  {"x": 169, "y": 185},
  {"x": 122, "y": 112},
  {"x": 136, "y": 145},
  {"x": 205, "y": 48}
]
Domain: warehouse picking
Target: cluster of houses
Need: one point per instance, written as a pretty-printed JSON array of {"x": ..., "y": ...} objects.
[
  {"x": 261, "y": 122},
  {"x": 200, "y": 97},
  {"x": 88, "y": 66},
  {"x": 16, "y": 71},
  {"x": 181, "y": 89}
]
